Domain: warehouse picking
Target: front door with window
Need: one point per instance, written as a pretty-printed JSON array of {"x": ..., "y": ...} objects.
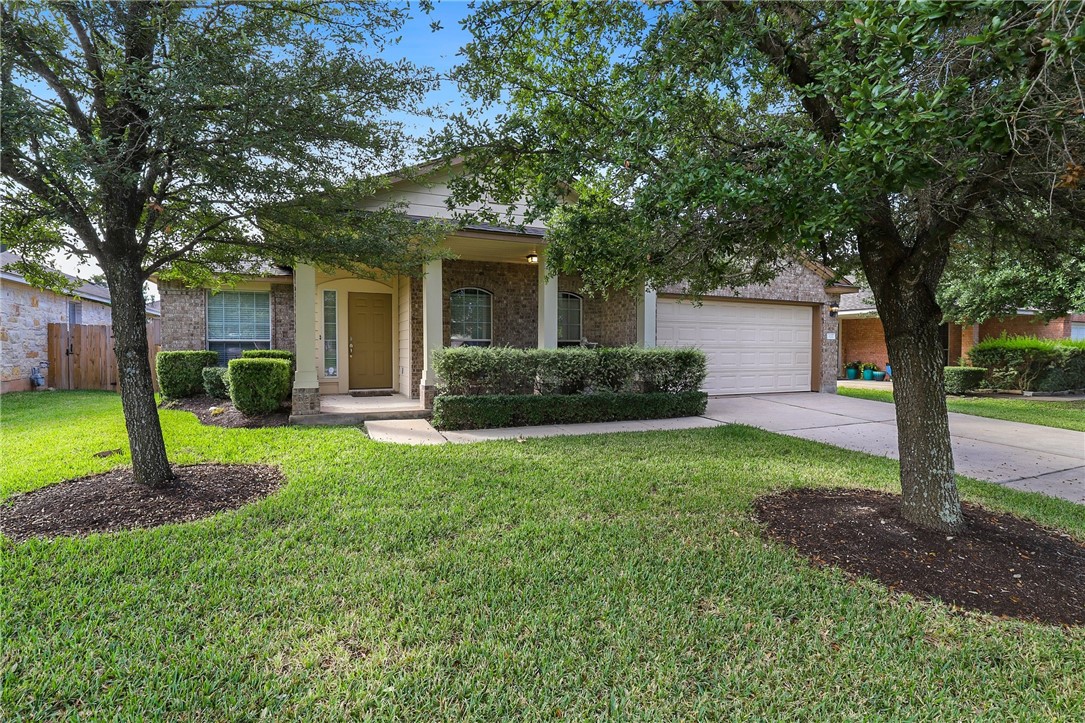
[{"x": 369, "y": 341}]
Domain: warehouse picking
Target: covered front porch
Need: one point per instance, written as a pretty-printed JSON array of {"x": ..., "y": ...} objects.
[{"x": 376, "y": 336}]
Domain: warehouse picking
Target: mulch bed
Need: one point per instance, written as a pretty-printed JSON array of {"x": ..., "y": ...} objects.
[
  {"x": 1001, "y": 564},
  {"x": 114, "y": 501},
  {"x": 226, "y": 414}
]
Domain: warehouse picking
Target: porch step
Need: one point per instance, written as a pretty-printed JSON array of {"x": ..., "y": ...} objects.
[
  {"x": 371, "y": 392},
  {"x": 355, "y": 419}
]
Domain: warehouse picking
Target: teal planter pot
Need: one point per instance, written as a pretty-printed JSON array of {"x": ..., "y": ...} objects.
[
  {"x": 851, "y": 373},
  {"x": 868, "y": 375},
  {"x": 879, "y": 376}
]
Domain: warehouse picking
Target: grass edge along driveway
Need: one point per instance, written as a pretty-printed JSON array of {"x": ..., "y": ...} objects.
[
  {"x": 616, "y": 576},
  {"x": 1061, "y": 415}
]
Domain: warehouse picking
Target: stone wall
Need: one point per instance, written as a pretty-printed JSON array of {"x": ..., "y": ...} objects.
[
  {"x": 24, "y": 329},
  {"x": 184, "y": 317}
]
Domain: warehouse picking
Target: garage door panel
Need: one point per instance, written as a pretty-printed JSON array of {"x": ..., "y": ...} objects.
[{"x": 751, "y": 348}]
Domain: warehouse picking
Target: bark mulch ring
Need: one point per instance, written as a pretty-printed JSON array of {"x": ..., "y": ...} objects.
[
  {"x": 1001, "y": 564},
  {"x": 114, "y": 501},
  {"x": 221, "y": 413}
]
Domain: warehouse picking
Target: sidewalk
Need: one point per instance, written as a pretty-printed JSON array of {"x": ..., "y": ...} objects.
[{"x": 420, "y": 431}]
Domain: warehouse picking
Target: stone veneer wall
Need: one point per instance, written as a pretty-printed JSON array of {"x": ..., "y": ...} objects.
[
  {"x": 796, "y": 284},
  {"x": 24, "y": 329},
  {"x": 416, "y": 336}
]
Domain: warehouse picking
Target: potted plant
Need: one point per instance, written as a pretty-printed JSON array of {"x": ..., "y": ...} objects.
[
  {"x": 868, "y": 371},
  {"x": 879, "y": 376},
  {"x": 851, "y": 369}
]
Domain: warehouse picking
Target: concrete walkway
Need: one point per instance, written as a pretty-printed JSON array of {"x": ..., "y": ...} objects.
[{"x": 1022, "y": 456}]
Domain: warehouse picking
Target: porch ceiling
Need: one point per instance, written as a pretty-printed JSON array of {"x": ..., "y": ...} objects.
[{"x": 484, "y": 247}]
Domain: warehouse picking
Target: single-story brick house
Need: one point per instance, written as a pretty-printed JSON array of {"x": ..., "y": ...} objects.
[
  {"x": 862, "y": 337},
  {"x": 352, "y": 333},
  {"x": 26, "y": 313}
]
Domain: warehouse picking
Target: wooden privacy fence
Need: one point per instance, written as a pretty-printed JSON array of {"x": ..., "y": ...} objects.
[{"x": 81, "y": 356}]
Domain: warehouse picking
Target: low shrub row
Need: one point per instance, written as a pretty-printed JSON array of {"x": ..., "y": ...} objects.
[
  {"x": 259, "y": 386},
  {"x": 1031, "y": 364},
  {"x": 961, "y": 380},
  {"x": 180, "y": 373},
  {"x": 472, "y": 371},
  {"x": 269, "y": 354},
  {"x": 521, "y": 410}
]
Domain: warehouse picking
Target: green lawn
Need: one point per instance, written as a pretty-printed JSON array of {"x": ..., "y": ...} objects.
[
  {"x": 1063, "y": 415},
  {"x": 614, "y": 576}
]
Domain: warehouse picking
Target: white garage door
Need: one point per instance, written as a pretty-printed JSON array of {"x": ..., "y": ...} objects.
[{"x": 751, "y": 348}]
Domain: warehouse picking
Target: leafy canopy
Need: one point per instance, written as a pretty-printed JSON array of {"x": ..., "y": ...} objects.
[
  {"x": 713, "y": 141},
  {"x": 202, "y": 138}
]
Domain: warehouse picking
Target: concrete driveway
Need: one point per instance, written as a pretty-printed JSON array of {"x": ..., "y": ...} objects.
[{"x": 1022, "y": 456}]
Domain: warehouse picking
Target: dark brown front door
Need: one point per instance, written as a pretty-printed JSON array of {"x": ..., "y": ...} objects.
[{"x": 370, "y": 341}]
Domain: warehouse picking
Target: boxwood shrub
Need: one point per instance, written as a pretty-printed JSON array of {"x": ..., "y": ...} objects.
[
  {"x": 522, "y": 410},
  {"x": 1031, "y": 364},
  {"x": 216, "y": 382},
  {"x": 258, "y": 386},
  {"x": 269, "y": 354},
  {"x": 180, "y": 373},
  {"x": 507, "y": 371},
  {"x": 961, "y": 380}
]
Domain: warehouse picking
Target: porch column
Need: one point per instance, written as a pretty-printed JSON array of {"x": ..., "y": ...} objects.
[
  {"x": 646, "y": 318},
  {"x": 548, "y": 306},
  {"x": 432, "y": 328},
  {"x": 306, "y": 395}
]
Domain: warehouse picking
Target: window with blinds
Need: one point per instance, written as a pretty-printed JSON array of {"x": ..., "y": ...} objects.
[{"x": 236, "y": 321}]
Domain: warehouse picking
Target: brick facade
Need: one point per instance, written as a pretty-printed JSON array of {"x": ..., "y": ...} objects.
[
  {"x": 864, "y": 339},
  {"x": 515, "y": 299},
  {"x": 282, "y": 316},
  {"x": 184, "y": 317},
  {"x": 24, "y": 329}
]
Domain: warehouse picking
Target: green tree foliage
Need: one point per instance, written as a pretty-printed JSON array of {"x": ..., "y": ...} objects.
[
  {"x": 714, "y": 141},
  {"x": 197, "y": 140}
]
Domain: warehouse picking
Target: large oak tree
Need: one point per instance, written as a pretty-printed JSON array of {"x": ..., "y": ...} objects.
[
  {"x": 197, "y": 139},
  {"x": 712, "y": 141}
]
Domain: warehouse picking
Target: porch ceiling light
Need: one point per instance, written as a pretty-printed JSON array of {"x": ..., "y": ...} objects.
[{"x": 533, "y": 258}]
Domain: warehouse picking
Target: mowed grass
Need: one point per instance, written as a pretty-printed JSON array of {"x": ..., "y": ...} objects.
[
  {"x": 1063, "y": 415},
  {"x": 616, "y": 576}
]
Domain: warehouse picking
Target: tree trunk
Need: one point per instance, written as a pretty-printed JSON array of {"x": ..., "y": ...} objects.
[
  {"x": 911, "y": 319},
  {"x": 149, "y": 462}
]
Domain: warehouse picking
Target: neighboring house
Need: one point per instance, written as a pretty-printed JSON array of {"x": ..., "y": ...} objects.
[
  {"x": 362, "y": 334},
  {"x": 862, "y": 337},
  {"x": 25, "y": 315}
]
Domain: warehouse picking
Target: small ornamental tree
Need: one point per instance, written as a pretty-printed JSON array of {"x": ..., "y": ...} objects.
[
  {"x": 191, "y": 139},
  {"x": 713, "y": 141}
]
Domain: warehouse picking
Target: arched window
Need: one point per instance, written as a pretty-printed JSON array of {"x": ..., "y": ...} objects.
[
  {"x": 570, "y": 319},
  {"x": 471, "y": 317}
]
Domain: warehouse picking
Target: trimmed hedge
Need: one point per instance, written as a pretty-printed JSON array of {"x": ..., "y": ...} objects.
[
  {"x": 960, "y": 380},
  {"x": 180, "y": 373},
  {"x": 216, "y": 382},
  {"x": 1031, "y": 364},
  {"x": 258, "y": 386},
  {"x": 505, "y": 371},
  {"x": 522, "y": 410},
  {"x": 270, "y": 354}
]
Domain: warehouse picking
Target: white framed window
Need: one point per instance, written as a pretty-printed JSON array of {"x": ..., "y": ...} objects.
[
  {"x": 236, "y": 321},
  {"x": 1077, "y": 330},
  {"x": 331, "y": 334},
  {"x": 570, "y": 319},
  {"x": 75, "y": 313},
  {"x": 471, "y": 317}
]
